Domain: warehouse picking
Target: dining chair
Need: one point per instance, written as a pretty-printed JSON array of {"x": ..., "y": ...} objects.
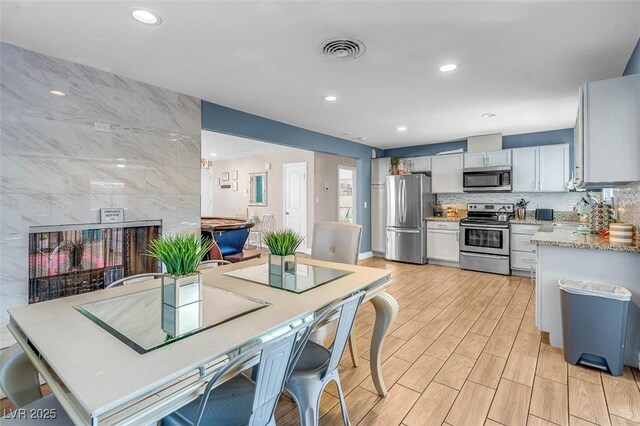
[
  {"x": 241, "y": 400},
  {"x": 20, "y": 383},
  {"x": 131, "y": 279},
  {"x": 267, "y": 224},
  {"x": 317, "y": 365},
  {"x": 241, "y": 215},
  {"x": 337, "y": 242},
  {"x": 212, "y": 264}
]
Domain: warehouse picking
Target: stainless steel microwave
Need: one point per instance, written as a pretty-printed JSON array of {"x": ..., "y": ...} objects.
[{"x": 487, "y": 179}]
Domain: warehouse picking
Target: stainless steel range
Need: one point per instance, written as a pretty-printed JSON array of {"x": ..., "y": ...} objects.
[{"x": 484, "y": 238}]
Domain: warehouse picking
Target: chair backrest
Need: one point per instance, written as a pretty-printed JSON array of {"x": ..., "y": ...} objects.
[
  {"x": 212, "y": 264},
  {"x": 241, "y": 215},
  {"x": 267, "y": 223},
  {"x": 18, "y": 377},
  {"x": 275, "y": 358},
  {"x": 336, "y": 242},
  {"x": 131, "y": 279},
  {"x": 347, "y": 310}
]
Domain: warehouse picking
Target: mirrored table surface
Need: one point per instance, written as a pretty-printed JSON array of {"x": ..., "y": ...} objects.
[
  {"x": 306, "y": 276},
  {"x": 144, "y": 323}
]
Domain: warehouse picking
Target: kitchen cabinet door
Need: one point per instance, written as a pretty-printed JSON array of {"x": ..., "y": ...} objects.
[
  {"x": 378, "y": 219},
  {"x": 379, "y": 170},
  {"x": 525, "y": 170},
  {"x": 443, "y": 245},
  {"x": 553, "y": 168},
  {"x": 419, "y": 164},
  {"x": 446, "y": 173},
  {"x": 498, "y": 158},
  {"x": 474, "y": 159}
]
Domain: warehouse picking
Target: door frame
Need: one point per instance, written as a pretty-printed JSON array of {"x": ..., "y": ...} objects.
[
  {"x": 354, "y": 172},
  {"x": 304, "y": 246}
]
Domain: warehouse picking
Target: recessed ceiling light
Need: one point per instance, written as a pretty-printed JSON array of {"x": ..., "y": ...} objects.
[
  {"x": 57, "y": 93},
  {"x": 487, "y": 115},
  {"x": 120, "y": 165},
  {"x": 144, "y": 16},
  {"x": 448, "y": 67},
  {"x": 402, "y": 129},
  {"x": 330, "y": 98},
  {"x": 213, "y": 154}
]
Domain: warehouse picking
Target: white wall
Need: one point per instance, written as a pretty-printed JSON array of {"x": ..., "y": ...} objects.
[{"x": 228, "y": 203}]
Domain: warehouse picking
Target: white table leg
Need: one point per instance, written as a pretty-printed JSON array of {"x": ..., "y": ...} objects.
[{"x": 386, "y": 312}]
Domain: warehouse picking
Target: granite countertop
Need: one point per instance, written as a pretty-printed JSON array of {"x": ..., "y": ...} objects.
[
  {"x": 567, "y": 237},
  {"x": 445, "y": 219},
  {"x": 534, "y": 221}
]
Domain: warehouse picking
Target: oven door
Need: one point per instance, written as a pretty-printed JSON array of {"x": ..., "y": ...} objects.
[
  {"x": 486, "y": 180},
  {"x": 485, "y": 239}
]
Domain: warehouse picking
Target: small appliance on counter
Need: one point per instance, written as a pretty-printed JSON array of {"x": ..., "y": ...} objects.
[
  {"x": 438, "y": 211},
  {"x": 544, "y": 214},
  {"x": 485, "y": 238}
]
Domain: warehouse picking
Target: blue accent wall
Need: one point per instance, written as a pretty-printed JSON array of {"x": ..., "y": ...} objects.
[
  {"x": 218, "y": 118},
  {"x": 551, "y": 137},
  {"x": 633, "y": 66}
]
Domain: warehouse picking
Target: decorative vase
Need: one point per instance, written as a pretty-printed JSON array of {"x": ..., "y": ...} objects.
[
  {"x": 282, "y": 271},
  {"x": 522, "y": 213},
  {"x": 181, "y": 291},
  {"x": 182, "y": 320},
  {"x": 600, "y": 217}
]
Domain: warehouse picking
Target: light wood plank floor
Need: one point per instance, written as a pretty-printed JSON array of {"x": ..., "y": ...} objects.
[{"x": 465, "y": 351}]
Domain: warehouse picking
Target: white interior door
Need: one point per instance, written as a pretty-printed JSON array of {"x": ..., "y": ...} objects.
[{"x": 295, "y": 199}]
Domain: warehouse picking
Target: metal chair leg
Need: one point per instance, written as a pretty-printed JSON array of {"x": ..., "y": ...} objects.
[{"x": 353, "y": 348}]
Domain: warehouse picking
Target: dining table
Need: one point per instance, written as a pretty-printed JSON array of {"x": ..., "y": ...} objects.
[{"x": 108, "y": 359}]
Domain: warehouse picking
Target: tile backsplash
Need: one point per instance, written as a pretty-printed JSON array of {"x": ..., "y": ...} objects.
[
  {"x": 627, "y": 203},
  {"x": 57, "y": 168},
  {"x": 563, "y": 201}
]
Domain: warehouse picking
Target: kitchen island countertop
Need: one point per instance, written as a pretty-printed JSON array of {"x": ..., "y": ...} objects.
[{"x": 567, "y": 237}]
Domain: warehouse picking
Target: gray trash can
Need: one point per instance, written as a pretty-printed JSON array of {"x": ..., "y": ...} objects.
[{"x": 594, "y": 324}]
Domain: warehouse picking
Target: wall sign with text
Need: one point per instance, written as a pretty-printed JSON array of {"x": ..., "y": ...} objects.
[{"x": 111, "y": 215}]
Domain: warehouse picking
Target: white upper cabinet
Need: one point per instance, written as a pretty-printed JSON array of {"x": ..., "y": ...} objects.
[
  {"x": 554, "y": 168},
  {"x": 607, "y": 135},
  {"x": 379, "y": 170},
  {"x": 474, "y": 159},
  {"x": 487, "y": 159},
  {"x": 418, "y": 164},
  {"x": 446, "y": 173},
  {"x": 499, "y": 158},
  {"x": 525, "y": 169},
  {"x": 541, "y": 168}
]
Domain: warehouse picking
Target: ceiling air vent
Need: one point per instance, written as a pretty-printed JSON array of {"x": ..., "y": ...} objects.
[{"x": 342, "y": 49}]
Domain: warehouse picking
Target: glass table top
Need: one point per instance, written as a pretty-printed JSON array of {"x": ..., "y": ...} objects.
[
  {"x": 306, "y": 277},
  {"x": 144, "y": 323}
]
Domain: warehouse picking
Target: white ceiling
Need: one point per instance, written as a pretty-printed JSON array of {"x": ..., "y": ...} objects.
[
  {"x": 522, "y": 60},
  {"x": 227, "y": 146}
]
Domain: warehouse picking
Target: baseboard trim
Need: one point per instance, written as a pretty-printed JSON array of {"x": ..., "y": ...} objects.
[{"x": 365, "y": 255}]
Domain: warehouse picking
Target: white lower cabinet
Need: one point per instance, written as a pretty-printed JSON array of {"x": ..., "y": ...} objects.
[
  {"x": 443, "y": 241},
  {"x": 523, "y": 252}
]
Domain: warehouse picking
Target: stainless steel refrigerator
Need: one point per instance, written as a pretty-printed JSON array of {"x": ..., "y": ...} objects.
[{"x": 409, "y": 202}]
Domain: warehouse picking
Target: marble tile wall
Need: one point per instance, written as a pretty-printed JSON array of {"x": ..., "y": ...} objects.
[
  {"x": 627, "y": 203},
  {"x": 562, "y": 201},
  {"x": 56, "y": 169}
]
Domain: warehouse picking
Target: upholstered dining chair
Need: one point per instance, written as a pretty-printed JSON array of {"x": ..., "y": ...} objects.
[
  {"x": 20, "y": 383},
  {"x": 318, "y": 365},
  {"x": 132, "y": 279},
  {"x": 337, "y": 242}
]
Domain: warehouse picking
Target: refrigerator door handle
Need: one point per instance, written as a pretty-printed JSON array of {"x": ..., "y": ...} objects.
[{"x": 403, "y": 206}]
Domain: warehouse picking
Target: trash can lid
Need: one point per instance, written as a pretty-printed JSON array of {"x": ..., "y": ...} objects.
[{"x": 589, "y": 288}]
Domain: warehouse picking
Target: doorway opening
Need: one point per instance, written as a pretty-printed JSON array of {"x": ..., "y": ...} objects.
[{"x": 346, "y": 194}]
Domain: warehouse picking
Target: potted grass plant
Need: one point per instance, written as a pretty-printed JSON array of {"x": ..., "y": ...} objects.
[
  {"x": 282, "y": 258},
  {"x": 180, "y": 254}
]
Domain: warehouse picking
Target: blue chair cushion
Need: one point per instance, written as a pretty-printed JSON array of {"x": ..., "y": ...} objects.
[
  {"x": 230, "y": 404},
  {"x": 231, "y": 242}
]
